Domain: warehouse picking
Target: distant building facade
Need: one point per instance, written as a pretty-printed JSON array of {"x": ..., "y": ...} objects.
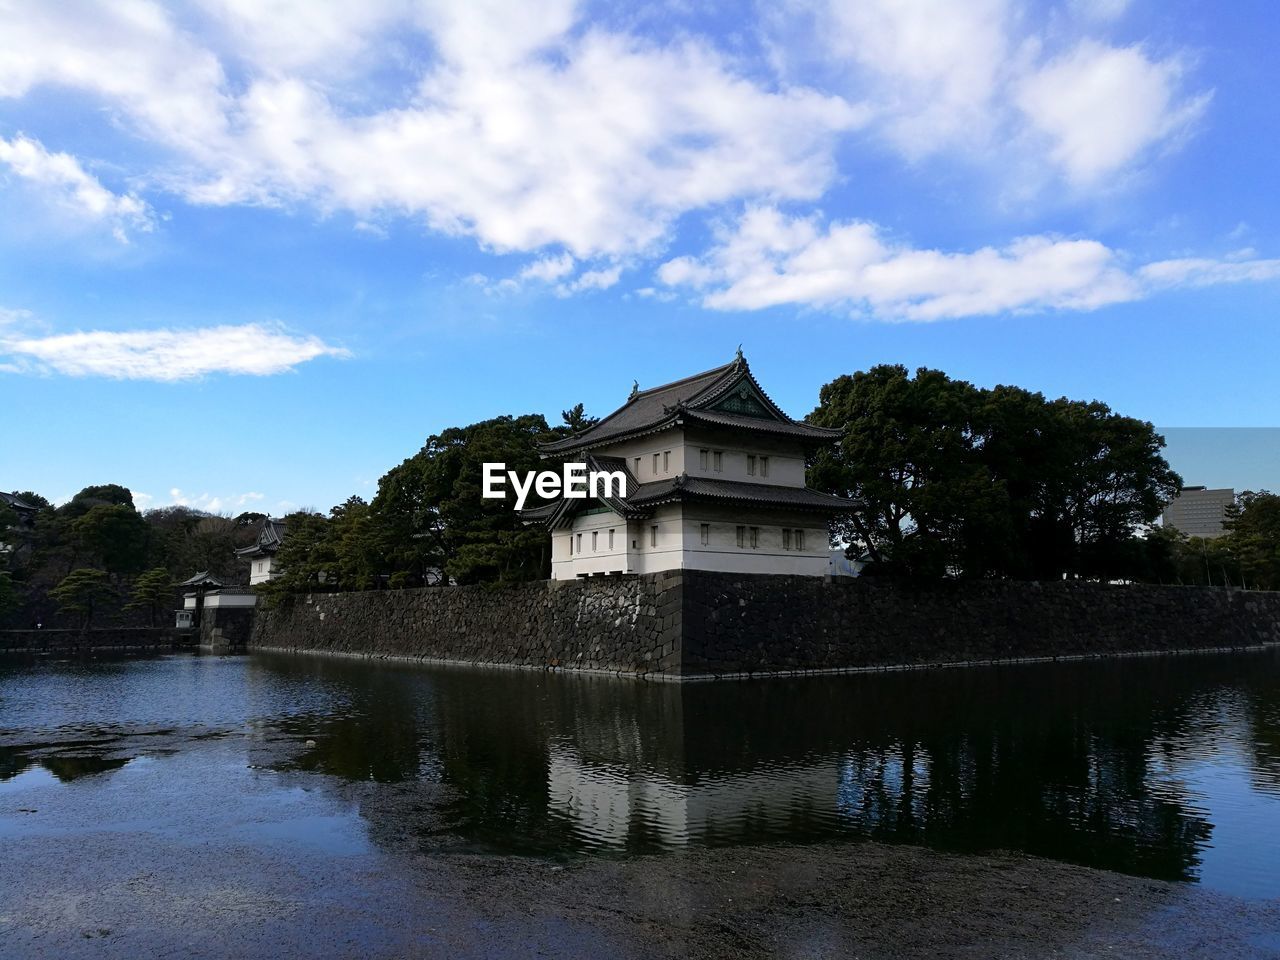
[
  {"x": 11, "y": 538},
  {"x": 262, "y": 553},
  {"x": 715, "y": 480},
  {"x": 1199, "y": 511}
]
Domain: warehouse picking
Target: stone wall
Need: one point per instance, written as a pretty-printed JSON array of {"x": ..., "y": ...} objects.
[
  {"x": 224, "y": 629},
  {"x": 621, "y": 625},
  {"x": 744, "y": 624},
  {"x": 103, "y": 638},
  {"x": 694, "y": 623}
]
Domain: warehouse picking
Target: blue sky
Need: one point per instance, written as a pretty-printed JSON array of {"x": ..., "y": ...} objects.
[{"x": 252, "y": 254}]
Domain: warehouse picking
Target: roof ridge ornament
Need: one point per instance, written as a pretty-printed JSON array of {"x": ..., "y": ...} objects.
[
  {"x": 635, "y": 389},
  {"x": 738, "y": 358}
]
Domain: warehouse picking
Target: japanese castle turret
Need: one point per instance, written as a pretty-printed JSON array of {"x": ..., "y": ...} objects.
[
  {"x": 261, "y": 554},
  {"x": 715, "y": 480}
]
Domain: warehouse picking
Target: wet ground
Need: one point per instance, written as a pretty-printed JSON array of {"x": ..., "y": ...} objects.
[{"x": 226, "y": 812}]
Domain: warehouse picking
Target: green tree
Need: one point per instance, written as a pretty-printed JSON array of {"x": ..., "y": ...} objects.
[
  {"x": 576, "y": 420},
  {"x": 953, "y": 479},
  {"x": 114, "y": 535},
  {"x": 106, "y": 494},
  {"x": 1253, "y": 538},
  {"x": 10, "y": 599},
  {"x": 82, "y": 592},
  {"x": 152, "y": 591},
  {"x": 306, "y": 558},
  {"x": 908, "y": 458},
  {"x": 429, "y": 514}
]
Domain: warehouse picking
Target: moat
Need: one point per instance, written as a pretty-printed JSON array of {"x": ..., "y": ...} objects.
[{"x": 338, "y": 784}]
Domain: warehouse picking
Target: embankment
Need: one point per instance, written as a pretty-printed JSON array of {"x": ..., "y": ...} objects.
[{"x": 692, "y": 624}]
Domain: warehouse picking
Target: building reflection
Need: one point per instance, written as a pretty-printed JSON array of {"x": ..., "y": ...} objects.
[{"x": 1078, "y": 762}]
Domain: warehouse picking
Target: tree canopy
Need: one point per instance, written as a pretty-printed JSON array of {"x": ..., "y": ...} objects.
[{"x": 954, "y": 479}]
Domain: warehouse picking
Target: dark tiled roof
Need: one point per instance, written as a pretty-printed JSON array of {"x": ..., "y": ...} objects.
[
  {"x": 12, "y": 500},
  {"x": 550, "y": 513},
  {"x": 657, "y": 408},
  {"x": 202, "y": 579},
  {"x": 738, "y": 421},
  {"x": 270, "y": 536},
  {"x": 761, "y": 494},
  {"x": 643, "y": 498}
]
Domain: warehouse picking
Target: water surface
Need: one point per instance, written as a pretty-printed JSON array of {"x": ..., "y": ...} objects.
[{"x": 1162, "y": 767}]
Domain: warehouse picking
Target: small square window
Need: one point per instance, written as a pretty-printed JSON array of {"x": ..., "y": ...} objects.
[
  {"x": 579, "y": 543},
  {"x": 653, "y": 535},
  {"x": 718, "y": 460},
  {"x": 742, "y": 536},
  {"x": 655, "y": 464},
  {"x": 764, "y": 466},
  {"x": 666, "y": 461},
  {"x": 799, "y": 539},
  {"x": 595, "y": 540},
  {"x": 610, "y": 539},
  {"x": 702, "y": 459},
  {"x": 637, "y": 470},
  {"x": 755, "y": 537},
  {"x": 635, "y": 544},
  {"x": 786, "y": 539},
  {"x": 571, "y": 544},
  {"x": 706, "y": 534},
  {"x": 751, "y": 464}
]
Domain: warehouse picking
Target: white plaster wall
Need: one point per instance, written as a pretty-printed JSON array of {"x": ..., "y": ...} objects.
[
  {"x": 679, "y": 543},
  {"x": 668, "y": 441},
  {"x": 586, "y": 561},
  {"x": 786, "y": 460},
  {"x": 769, "y": 556},
  {"x": 262, "y": 569},
  {"x": 225, "y": 600},
  {"x": 668, "y": 554}
]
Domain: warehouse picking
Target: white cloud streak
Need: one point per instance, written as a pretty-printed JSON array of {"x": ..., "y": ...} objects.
[
  {"x": 62, "y": 176},
  {"x": 166, "y": 355},
  {"x": 770, "y": 259}
]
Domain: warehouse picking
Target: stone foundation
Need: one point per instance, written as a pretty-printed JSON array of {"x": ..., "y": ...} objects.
[{"x": 693, "y": 624}]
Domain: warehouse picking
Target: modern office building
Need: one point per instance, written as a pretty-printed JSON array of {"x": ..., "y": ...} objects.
[{"x": 1199, "y": 511}]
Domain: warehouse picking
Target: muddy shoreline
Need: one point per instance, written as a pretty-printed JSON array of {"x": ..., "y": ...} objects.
[{"x": 116, "y": 893}]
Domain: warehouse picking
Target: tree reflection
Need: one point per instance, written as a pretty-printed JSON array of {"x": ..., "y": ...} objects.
[{"x": 1071, "y": 761}]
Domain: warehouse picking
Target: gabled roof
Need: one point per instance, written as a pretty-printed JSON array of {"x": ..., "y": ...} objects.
[
  {"x": 12, "y": 500},
  {"x": 202, "y": 579},
  {"x": 564, "y": 508},
  {"x": 271, "y": 535},
  {"x": 727, "y": 396},
  {"x": 643, "y": 498}
]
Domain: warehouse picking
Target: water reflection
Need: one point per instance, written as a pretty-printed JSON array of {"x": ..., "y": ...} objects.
[
  {"x": 1165, "y": 767},
  {"x": 1102, "y": 764}
]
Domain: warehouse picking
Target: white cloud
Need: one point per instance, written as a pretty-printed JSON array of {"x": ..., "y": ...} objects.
[
  {"x": 528, "y": 129},
  {"x": 131, "y": 56},
  {"x": 601, "y": 279},
  {"x": 1102, "y": 107},
  {"x": 62, "y": 176},
  {"x": 165, "y": 354},
  {"x": 548, "y": 269},
  {"x": 933, "y": 65},
  {"x": 211, "y": 503},
  {"x": 1101, "y": 10},
  {"x": 8, "y": 316},
  {"x": 1201, "y": 272},
  {"x": 996, "y": 82},
  {"x": 769, "y": 259}
]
